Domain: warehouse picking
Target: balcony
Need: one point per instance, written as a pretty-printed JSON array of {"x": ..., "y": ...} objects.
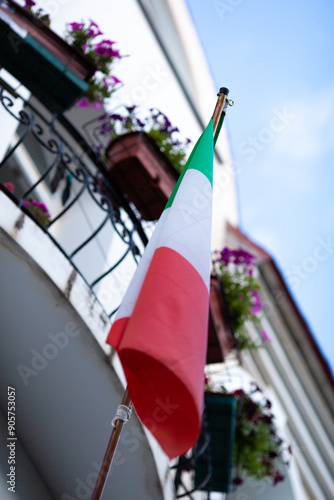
[
  {"x": 40, "y": 59},
  {"x": 64, "y": 278},
  {"x": 63, "y": 282}
]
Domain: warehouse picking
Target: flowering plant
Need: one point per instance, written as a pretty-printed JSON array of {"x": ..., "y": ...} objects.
[
  {"x": 39, "y": 13},
  {"x": 36, "y": 208},
  {"x": 258, "y": 451},
  {"x": 39, "y": 210},
  {"x": 155, "y": 124},
  {"x": 241, "y": 293},
  {"x": 102, "y": 53}
]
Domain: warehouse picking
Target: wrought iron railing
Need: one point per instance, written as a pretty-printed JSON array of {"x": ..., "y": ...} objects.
[
  {"x": 47, "y": 160},
  {"x": 185, "y": 470}
]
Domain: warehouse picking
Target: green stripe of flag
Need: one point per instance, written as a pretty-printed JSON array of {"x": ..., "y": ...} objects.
[{"x": 201, "y": 159}]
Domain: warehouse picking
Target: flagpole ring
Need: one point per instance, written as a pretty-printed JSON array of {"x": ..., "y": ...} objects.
[{"x": 123, "y": 413}]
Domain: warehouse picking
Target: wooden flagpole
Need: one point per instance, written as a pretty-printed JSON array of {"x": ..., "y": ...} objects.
[
  {"x": 123, "y": 412},
  {"x": 122, "y": 416},
  {"x": 219, "y": 112}
]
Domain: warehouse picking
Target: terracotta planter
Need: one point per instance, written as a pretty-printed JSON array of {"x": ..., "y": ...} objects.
[
  {"x": 52, "y": 70},
  {"x": 220, "y": 338},
  {"x": 221, "y": 422},
  {"x": 144, "y": 174}
]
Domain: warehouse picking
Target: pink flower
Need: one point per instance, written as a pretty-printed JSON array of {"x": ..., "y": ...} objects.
[
  {"x": 265, "y": 336},
  {"x": 104, "y": 48},
  {"x": 115, "y": 53},
  {"x": 29, "y": 4},
  {"x": 278, "y": 477},
  {"x": 83, "y": 102},
  {"x": 92, "y": 23},
  {"x": 116, "y": 80},
  {"x": 94, "y": 30},
  {"x": 9, "y": 186},
  {"x": 97, "y": 105},
  {"x": 43, "y": 206},
  {"x": 238, "y": 481},
  {"x": 76, "y": 26},
  {"x": 257, "y": 304}
]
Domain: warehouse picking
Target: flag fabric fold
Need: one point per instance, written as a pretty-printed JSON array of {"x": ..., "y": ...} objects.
[{"x": 160, "y": 331}]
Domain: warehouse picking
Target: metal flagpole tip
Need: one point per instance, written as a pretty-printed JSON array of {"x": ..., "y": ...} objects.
[{"x": 223, "y": 90}]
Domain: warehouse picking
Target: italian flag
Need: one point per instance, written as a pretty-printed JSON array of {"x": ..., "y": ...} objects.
[{"x": 160, "y": 331}]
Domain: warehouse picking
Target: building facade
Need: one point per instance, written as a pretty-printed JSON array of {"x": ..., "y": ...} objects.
[{"x": 61, "y": 283}]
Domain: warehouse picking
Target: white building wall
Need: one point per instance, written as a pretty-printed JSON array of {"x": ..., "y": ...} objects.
[{"x": 149, "y": 80}]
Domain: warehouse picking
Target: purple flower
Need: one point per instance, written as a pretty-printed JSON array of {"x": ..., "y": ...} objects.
[
  {"x": 225, "y": 255},
  {"x": 251, "y": 409},
  {"x": 241, "y": 256},
  {"x": 93, "y": 33},
  {"x": 267, "y": 419},
  {"x": 140, "y": 123},
  {"x": 29, "y": 4},
  {"x": 46, "y": 18},
  {"x": 278, "y": 477},
  {"x": 256, "y": 387},
  {"x": 84, "y": 46},
  {"x": 130, "y": 109},
  {"x": 116, "y": 117},
  {"x": 104, "y": 48},
  {"x": 100, "y": 50},
  {"x": 97, "y": 105},
  {"x": 167, "y": 122},
  {"x": 115, "y": 53},
  {"x": 116, "y": 80},
  {"x": 83, "y": 102},
  {"x": 257, "y": 304},
  {"x": 238, "y": 481},
  {"x": 265, "y": 336},
  {"x": 76, "y": 26},
  {"x": 92, "y": 23}
]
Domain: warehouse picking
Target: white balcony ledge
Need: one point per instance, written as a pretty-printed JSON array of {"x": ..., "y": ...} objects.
[{"x": 53, "y": 352}]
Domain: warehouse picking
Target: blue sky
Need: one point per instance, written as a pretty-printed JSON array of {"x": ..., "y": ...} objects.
[{"x": 276, "y": 58}]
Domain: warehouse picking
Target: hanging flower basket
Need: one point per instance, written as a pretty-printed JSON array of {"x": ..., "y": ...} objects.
[
  {"x": 243, "y": 440},
  {"x": 139, "y": 169},
  {"x": 220, "y": 338},
  {"x": 220, "y": 415},
  {"x": 52, "y": 70},
  {"x": 240, "y": 294}
]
